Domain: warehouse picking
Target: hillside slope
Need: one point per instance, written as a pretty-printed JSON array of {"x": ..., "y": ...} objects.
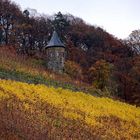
[
  {"x": 27, "y": 69},
  {"x": 29, "y": 111}
]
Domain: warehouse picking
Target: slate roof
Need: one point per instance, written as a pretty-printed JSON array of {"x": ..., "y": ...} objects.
[{"x": 55, "y": 41}]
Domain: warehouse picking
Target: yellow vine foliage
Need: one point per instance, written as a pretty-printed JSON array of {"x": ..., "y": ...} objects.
[{"x": 107, "y": 118}]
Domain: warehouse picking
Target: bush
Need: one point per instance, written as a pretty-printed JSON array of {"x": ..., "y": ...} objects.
[{"x": 73, "y": 69}]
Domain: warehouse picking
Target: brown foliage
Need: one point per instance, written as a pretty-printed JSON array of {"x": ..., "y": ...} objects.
[
  {"x": 73, "y": 70},
  {"x": 17, "y": 124}
]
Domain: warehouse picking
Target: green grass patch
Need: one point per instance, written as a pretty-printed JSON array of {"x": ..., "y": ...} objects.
[{"x": 38, "y": 79}]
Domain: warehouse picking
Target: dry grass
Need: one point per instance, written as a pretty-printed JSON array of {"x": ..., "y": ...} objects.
[
  {"x": 10, "y": 60},
  {"x": 47, "y": 124}
]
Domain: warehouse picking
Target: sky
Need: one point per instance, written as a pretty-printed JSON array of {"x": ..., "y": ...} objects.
[{"x": 118, "y": 17}]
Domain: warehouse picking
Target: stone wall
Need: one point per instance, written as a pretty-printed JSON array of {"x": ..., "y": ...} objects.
[{"x": 56, "y": 59}]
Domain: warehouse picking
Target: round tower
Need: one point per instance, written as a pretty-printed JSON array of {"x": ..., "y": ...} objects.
[{"x": 55, "y": 54}]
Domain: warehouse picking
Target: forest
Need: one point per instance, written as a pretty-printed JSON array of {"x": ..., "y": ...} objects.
[{"x": 94, "y": 56}]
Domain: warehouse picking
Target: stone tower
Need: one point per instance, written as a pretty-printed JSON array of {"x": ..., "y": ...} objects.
[{"x": 55, "y": 54}]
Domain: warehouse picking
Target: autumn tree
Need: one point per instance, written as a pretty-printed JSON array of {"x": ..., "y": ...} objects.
[
  {"x": 101, "y": 75},
  {"x": 9, "y": 14},
  {"x": 1, "y": 36},
  {"x": 60, "y": 24},
  {"x": 134, "y": 74},
  {"x": 41, "y": 33}
]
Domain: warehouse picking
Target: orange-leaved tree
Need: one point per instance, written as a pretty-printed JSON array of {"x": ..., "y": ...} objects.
[{"x": 101, "y": 75}]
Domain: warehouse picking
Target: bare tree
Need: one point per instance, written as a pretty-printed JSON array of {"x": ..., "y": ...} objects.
[{"x": 134, "y": 41}]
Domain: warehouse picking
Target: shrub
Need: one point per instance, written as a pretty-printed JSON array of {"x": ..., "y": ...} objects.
[{"x": 73, "y": 69}]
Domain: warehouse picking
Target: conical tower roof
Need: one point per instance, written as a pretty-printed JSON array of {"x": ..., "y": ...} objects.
[{"x": 55, "y": 41}]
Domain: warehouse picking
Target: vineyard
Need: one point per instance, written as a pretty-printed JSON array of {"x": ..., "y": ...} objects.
[{"x": 29, "y": 111}]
